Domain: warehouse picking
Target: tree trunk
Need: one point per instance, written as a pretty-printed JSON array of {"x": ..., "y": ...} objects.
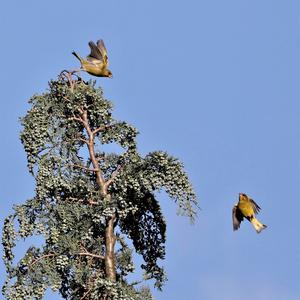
[{"x": 110, "y": 240}]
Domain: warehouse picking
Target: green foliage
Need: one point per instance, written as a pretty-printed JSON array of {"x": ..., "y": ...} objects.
[{"x": 72, "y": 206}]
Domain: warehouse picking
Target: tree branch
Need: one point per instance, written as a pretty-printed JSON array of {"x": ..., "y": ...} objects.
[
  {"x": 101, "y": 128},
  {"x": 76, "y": 119},
  {"x": 85, "y": 294},
  {"x": 98, "y": 130},
  {"x": 90, "y": 145},
  {"x": 90, "y": 254},
  {"x": 81, "y": 110},
  {"x": 68, "y": 75},
  {"x": 83, "y": 140},
  {"x": 81, "y": 200},
  {"x": 54, "y": 254},
  {"x": 40, "y": 258},
  {"x": 110, "y": 239},
  {"x": 113, "y": 176},
  {"x": 82, "y": 167}
]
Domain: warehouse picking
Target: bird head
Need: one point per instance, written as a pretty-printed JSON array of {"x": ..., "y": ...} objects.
[{"x": 109, "y": 73}]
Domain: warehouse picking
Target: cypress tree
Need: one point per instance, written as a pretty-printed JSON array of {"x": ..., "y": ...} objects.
[{"x": 93, "y": 208}]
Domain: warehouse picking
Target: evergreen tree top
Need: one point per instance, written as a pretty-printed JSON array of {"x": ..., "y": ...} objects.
[{"x": 89, "y": 203}]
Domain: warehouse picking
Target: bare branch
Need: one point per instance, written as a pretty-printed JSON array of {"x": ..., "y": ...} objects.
[
  {"x": 90, "y": 145},
  {"x": 68, "y": 75},
  {"x": 101, "y": 128},
  {"x": 66, "y": 98},
  {"x": 98, "y": 130},
  {"x": 83, "y": 140},
  {"x": 40, "y": 258},
  {"x": 90, "y": 254}
]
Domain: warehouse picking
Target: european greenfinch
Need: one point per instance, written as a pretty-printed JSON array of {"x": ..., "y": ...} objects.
[
  {"x": 96, "y": 62},
  {"x": 246, "y": 208}
]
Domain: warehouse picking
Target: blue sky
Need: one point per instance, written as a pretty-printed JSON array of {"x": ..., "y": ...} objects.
[{"x": 215, "y": 83}]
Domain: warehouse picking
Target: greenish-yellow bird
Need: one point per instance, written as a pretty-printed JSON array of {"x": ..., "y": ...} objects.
[
  {"x": 96, "y": 62},
  {"x": 246, "y": 208}
]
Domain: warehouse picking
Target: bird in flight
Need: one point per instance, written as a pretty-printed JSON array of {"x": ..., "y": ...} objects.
[
  {"x": 246, "y": 208},
  {"x": 96, "y": 62}
]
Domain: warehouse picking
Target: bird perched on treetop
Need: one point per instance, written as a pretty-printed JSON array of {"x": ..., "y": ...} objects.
[
  {"x": 96, "y": 62},
  {"x": 246, "y": 208}
]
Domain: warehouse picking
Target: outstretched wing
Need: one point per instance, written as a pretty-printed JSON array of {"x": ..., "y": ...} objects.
[
  {"x": 255, "y": 206},
  {"x": 103, "y": 51},
  {"x": 237, "y": 217},
  {"x": 95, "y": 52}
]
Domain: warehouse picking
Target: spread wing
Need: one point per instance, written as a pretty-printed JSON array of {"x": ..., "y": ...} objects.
[
  {"x": 255, "y": 206},
  {"x": 237, "y": 217},
  {"x": 95, "y": 54},
  {"x": 103, "y": 51}
]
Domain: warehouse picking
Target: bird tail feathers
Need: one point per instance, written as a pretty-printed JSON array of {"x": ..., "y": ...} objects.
[
  {"x": 257, "y": 225},
  {"x": 77, "y": 56}
]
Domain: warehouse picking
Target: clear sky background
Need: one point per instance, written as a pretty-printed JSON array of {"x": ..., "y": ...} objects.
[{"x": 214, "y": 83}]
